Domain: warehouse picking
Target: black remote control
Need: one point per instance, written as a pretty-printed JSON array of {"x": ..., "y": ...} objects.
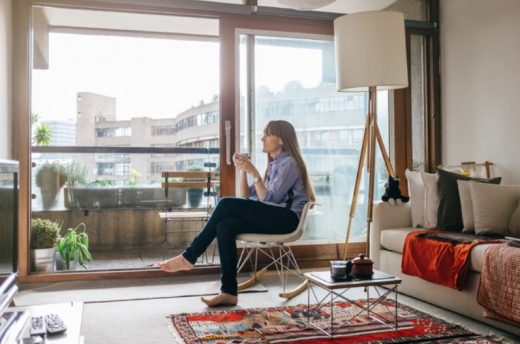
[
  {"x": 38, "y": 326},
  {"x": 54, "y": 324}
]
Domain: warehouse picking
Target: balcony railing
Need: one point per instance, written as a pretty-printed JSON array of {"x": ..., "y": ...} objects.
[{"x": 121, "y": 210}]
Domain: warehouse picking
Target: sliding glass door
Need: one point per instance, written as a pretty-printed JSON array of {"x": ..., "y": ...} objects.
[
  {"x": 117, "y": 99},
  {"x": 293, "y": 78}
]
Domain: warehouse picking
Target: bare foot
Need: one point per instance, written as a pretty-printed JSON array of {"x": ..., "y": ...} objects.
[
  {"x": 175, "y": 264},
  {"x": 221, "y": 299}
]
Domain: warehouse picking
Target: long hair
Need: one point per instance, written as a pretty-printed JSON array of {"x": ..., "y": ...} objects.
[{"x": 286, "y": 132}]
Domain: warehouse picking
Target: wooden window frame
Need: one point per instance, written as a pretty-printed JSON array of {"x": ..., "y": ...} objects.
[
  {"x": 308, "y": 255},
  {"x": 403, "y": 106}
]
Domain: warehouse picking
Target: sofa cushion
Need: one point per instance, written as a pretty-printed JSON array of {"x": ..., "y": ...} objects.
[
  {"x": 431, "y": 199},
  {"x": 449, "y": 212},
  {"x": 466, "y": 205},
  {"x": 514, "y": 223},
  {"x": 493, "y": 207},
  {"x": 417, "y": 192},
  {"x": 477, "y": 257},
  {"x": 393, "y": 239}
]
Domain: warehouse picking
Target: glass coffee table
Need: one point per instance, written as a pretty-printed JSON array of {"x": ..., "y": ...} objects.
[{"x": 336, "y": 290}]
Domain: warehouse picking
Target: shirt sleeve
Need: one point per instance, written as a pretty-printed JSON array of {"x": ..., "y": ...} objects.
[
  {"x": 252, "y": 192},
  {"x": 284, "y": 177}
]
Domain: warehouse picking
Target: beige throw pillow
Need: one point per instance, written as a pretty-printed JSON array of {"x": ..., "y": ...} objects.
[
  {"x": 514, "y": 223},
  {"x": 431, "y": 199},
  {"x": 466, "y": 205},
  {"x": 416, "y": 191},
  {"x": 493, "y": 207}
]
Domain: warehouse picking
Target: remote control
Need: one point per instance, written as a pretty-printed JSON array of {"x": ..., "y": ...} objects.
[
  {"x": 38, "y": 326},
  {"x": 54, "y": 324}
]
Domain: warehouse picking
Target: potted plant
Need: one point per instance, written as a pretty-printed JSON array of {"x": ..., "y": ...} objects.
[
  {"x": 73, "y": 248},
  {"x": 195, "y": 194},
  {"x": 44, "y": 235},
  {"x": 50, "y": 178}
]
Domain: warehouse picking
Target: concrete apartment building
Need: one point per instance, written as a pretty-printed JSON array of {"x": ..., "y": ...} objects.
[{"x": 97, "y": 126}]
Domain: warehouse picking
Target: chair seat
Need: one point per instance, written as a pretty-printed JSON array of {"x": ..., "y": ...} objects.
[
  {"x": 183, "y": 215},
  {"x": 279, "y": 255},
  {"x": 272, "y": 238}
]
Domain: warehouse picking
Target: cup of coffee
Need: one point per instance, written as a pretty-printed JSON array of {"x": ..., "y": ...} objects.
[
  {"x": 242, "y": 157},
  {"x": 338, "y": 269},
  {"x": 245, "y": 156}
]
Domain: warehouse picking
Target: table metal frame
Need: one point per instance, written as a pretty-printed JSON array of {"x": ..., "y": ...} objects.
[{"x": 346, "y": 286}]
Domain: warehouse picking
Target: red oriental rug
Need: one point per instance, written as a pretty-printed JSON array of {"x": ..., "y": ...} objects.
[{"x": 289, "y": 325}]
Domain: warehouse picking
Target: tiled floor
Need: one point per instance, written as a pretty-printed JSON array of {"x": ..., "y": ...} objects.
[{"x": 145, "y": 321}]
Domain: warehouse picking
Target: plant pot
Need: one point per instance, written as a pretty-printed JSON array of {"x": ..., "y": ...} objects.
[
  {"x": 43, "y": 259},
  {"x": 195, "y": 197},
  {"x": 61, "y": 265},
  {"x": 50, "y": 181},
  {"x": 49, "y": 196}
]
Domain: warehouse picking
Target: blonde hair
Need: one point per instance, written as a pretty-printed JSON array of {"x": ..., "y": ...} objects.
[{"x": 286, "y": 132}]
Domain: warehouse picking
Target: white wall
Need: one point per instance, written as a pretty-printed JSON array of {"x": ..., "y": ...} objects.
[
  {"x": 480, "y": 81},
  {"x": 6, "y": 34}
]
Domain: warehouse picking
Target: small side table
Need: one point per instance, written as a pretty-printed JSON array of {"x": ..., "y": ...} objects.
[{"x": 323, "y": 280}]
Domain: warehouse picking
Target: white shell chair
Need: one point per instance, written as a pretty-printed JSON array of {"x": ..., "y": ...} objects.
[{"x": 281, "y": 257}]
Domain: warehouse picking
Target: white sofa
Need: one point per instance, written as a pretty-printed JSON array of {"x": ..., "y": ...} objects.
[{"x": 391, "y": 224}]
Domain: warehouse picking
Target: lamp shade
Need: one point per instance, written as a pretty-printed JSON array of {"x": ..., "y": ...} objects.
[
  {"x": 305, "y": 5},
  {"x": 370, "y": 51}
]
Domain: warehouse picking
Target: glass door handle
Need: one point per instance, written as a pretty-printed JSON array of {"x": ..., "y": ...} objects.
[{"x": 227, "y": 127}]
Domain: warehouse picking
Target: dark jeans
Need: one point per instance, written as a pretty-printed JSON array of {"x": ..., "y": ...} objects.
[{"x": 233, "y": 216}]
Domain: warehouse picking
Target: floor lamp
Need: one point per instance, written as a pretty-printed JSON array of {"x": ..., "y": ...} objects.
[{"x": 370, "y": 56}]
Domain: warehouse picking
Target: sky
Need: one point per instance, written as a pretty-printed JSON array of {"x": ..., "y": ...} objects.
[{"x": 150, "y": 77}]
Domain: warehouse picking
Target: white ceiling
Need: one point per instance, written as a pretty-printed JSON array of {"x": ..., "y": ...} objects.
[
  {"x": 167, "y": 24},
  {"x": 341, "y": 6},
  {"x": 61, "y": 17}
]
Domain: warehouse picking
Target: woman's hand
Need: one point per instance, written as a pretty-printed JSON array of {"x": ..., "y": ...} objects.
[
  {"x": 244, "y": 164},
  {"x": 248, "y": 167},
  {"x": 238, "y": 159}
]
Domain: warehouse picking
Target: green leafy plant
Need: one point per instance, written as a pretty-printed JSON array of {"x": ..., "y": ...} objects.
[
  {"x": 134, "y": 177},
  {"x": 44, "y": 233},
  {"x": 35, "y": 118},
  {"x": 43, "y": 135},
  {"x": 100, "y": 182},
  {"x": 73, "y": 246},
  {"x": 76, "y": 173}
]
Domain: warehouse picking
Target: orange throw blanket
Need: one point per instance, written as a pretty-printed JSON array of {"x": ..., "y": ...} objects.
[
  {"x": 442, "y": 261},
  {"x": 499, "y": 290}
]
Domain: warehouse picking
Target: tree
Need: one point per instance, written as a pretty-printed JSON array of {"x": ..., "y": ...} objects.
[
  {"x": 43, "y": 135},
  {"x": 35, "y": 118}
]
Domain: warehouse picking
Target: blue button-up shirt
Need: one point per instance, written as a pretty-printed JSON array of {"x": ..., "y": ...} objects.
[{"x": 283, "y": 175}]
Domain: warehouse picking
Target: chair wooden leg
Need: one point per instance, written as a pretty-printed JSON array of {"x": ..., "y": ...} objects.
[
  {"x": 296, "y": 291},
  {"x": 253, "y": 278}
]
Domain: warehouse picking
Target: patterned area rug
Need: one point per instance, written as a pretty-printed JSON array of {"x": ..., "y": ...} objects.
[{"x": 289, "y": 325}]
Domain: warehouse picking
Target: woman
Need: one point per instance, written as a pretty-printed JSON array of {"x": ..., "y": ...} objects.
[{"x": 271, "y": 205}]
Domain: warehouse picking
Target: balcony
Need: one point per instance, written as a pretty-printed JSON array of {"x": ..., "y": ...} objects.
[{"x": 121, "y": 205}]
